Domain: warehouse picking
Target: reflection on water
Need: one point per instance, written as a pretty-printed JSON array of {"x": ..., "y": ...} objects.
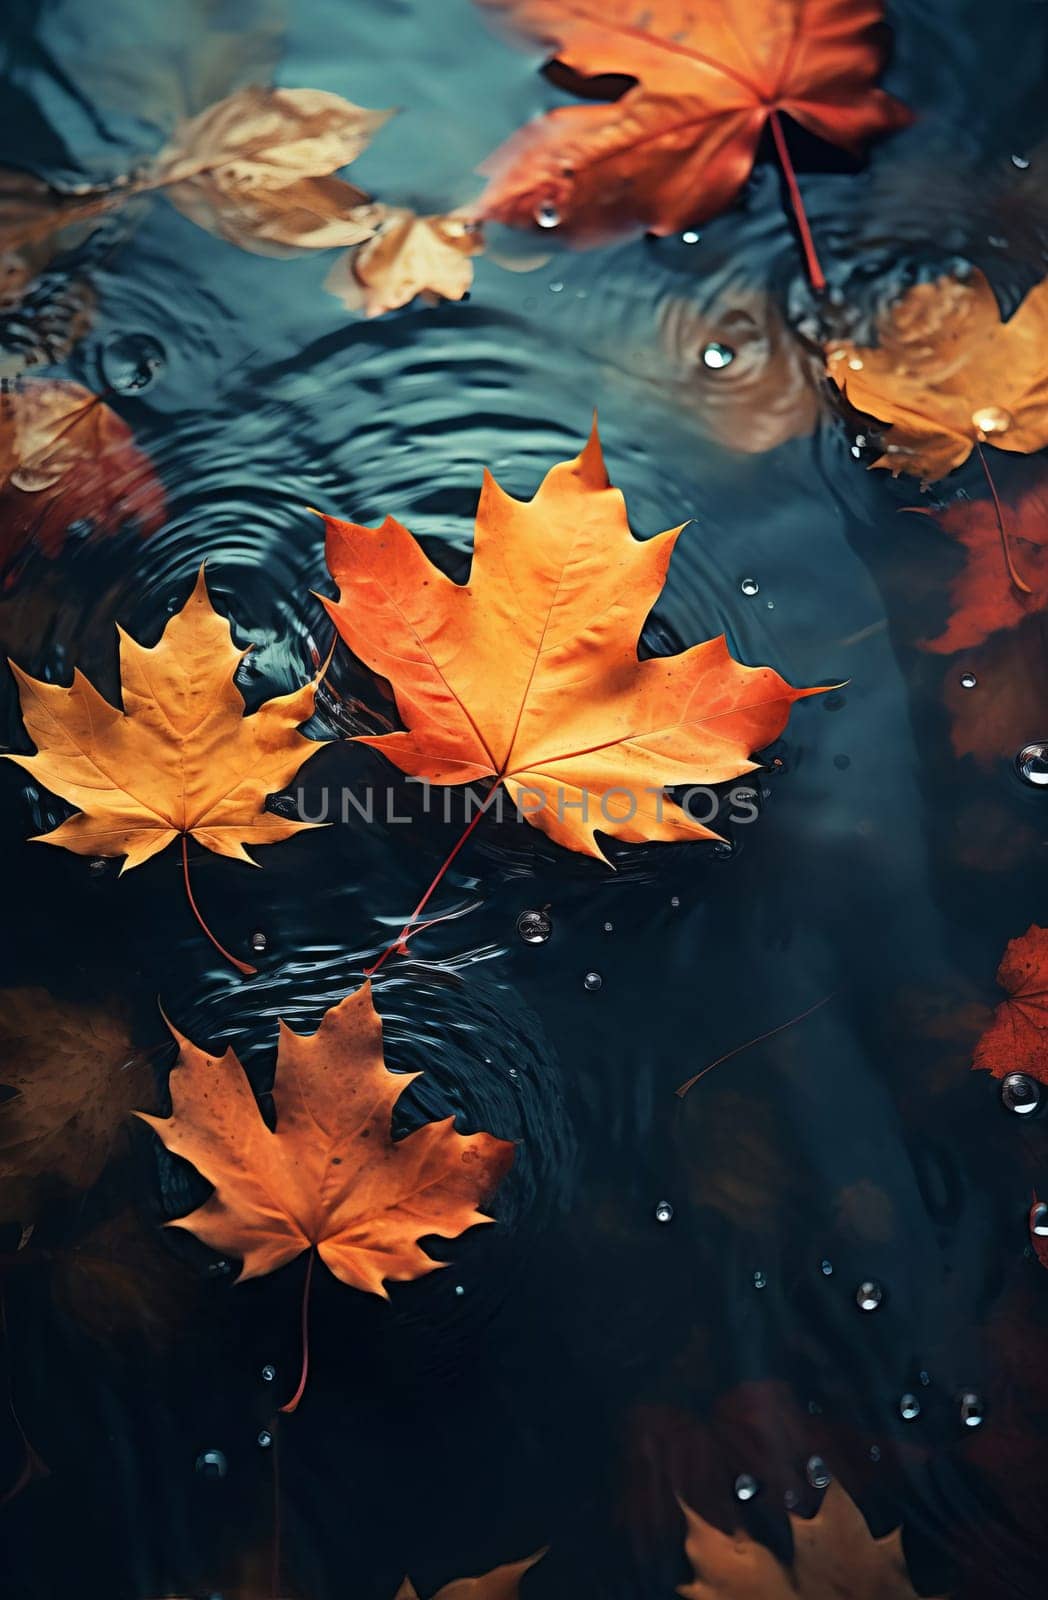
[{"x": 814, "y": 1264}]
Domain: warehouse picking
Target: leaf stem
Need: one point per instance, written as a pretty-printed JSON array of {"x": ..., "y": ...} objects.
[
  {"x": 241, "y": 966},
  {"x": 815, "y": 272},
  {"x": 684, "y": 1087},
  {"x": 292, "y": 1404},
  {"x": 1023, "y": 588},
  {"x": 400, "y": 942}
]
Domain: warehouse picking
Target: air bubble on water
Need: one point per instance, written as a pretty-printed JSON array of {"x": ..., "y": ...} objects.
[
  {"x": 745, "y": 1486},
  {"x": 750, "y": 586},
  {"x": 211, "y": 1464},
  {"x": 826, "y": 1268},
  {"x": 1032, "y": 764},
  {"x": 131, "y": 362},
  {"x": 663, "y": 1211},
  {"x": 1020, "y": 1094},
  {"x": 556, "y": 288},
  {"x": 818, "y": 1473},
  {"x": 547, "y": 215},
  {"x": 534, "y": 927},
  {"x": 760, "y": 1279},
  {"x": 269, "y": 1372},
  {"x": 868, "y": 1295},
  {"x": 909, "y": 1408},
  {"x": 459, "y": 1290},
  {"x": 689, "y": 236},
  {"x": 265, "y": 1438},
  {"x": 716, "y": 356},
  {"x": 1039, "y": 1220},
  {"x": 592, "y": 981},
  {"x": 258, "y": 941},
  {"x": 971, "y": 1409},
  {"x": 968, "y": 680},
  {"x": 1022, "y": 162},
  {"x": 609, "y": 927}
]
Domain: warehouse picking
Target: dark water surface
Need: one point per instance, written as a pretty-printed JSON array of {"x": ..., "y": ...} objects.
[{"x": 597, "y": 1362}]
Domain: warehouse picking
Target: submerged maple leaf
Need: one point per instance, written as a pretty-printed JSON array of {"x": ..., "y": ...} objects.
[
  {"x": 528, "y": 675},
  {"x": 709, "y": 78},
  {"x": 73, "y": 1080},
  {"x": 983, "y": 597},
  {"x": 1017, "y": 1038},
  {"x": 996, "y": 694},
  {"x": 834, "y": 1555},
  {"x": 255, "y": 168},
  {"x": 180, "y": 760},
  {"x": 502, "y": 1583},
  {"x": 65, "y": 456},
  {"x": 949, "y": 376},
  {"x": 331, "y": 1179},
  {"x": 408, "y": 256}
]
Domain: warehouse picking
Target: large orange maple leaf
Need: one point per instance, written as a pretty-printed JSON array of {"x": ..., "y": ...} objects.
[
  {"x": 528, "y": 675},
  {"x": 330, "y": 1179},
  {"x": 710, "y": 76}
]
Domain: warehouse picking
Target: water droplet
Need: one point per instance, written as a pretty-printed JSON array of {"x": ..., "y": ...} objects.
[
  {"x": 218, "y": 1269},
  {"x": 855, "y": 363},
  {"x": 459, "y": 1290},
  {"x": 211, "y": 1464},
  {"x": 826, "y": 1268},
  {"x": 990, "y": 420},
  {"x": 717, "y": 356},
  {"x": 1022, "y": 162},
  {"x": 971, "y": 1409},
  {"x": 675, "y": 901},
  {"x": 745, "y": 1486},
  {"x": 609, "y": 927},
  {"x": 513, "y": 1072},
  {"x": 534, "y": 927},
  {"x": 663, "y": 1211},
  {"x": 592, "y": 981},
  {"x": 818, "y": 1473},
  {"x": 750, "y": 586},
  {"x": 869, "y": 1295},
  {"x": 909, "y": 1407},
  {"x": 1032, "y": 764},
  {"x": 258, "y": 940},
  {"x": 689, "y": 236},
  {"x": 265, "y": 1438},
  {"x": 547, "y": 215},
  {"x": 1039, "y": 1220},
  {"x": 968, "y": 680},
  {"x": 1020, "y": 1094},
  {"x": 760, "y": 1279},
  {"x": 269, "y": 1372},
  {"x": 724, "y": 848},
  {"x": 131, "y": 362},
  {"x": 556, "y": 288}
]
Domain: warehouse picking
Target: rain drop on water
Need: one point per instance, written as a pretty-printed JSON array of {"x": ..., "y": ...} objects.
[
  {"x": 1032, "y": 765},
  {"x": 909, "y": 1407},
  {"x": 745, "y": 1486},
  {"x": 211, "y": 1464},
  {"x": 968, "y": 680},
  {"x": 826, "y": 1268},
  {"x": 459, "y": 1290},
  {"x": 547, "y": 215},
  {"x": 971, "y": 1409},
  {"x": 131, "y": 362},
  {"x": 817, "y": 1473},
  {"x": 534, "y": 927},
  {"x": 750, "y": 586},
  {"x": 869, "y": 1295},
  {"x": 265, "y": 1438},
  {"x": 1020, "y": 1094},
  {"x": 716, "y": 355},
  {"x": 663, "y": 1211},
  {"x": 259, "y": 941},
  {"x": 1022, "y": 162},
  {"x": 689, "y": 236},
  {"x": 269, "y": 1372},
  {"x": 592, "y": 981},
  {"x": 1039, "y": 1220}
]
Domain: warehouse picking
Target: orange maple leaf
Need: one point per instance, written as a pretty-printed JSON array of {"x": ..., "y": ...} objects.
[
  {"x": 180, "y": 760},
  {"x": 330, "y": 1179},
  {"x": 64, "y": 455},
  {"x": 1017, "y": 1038},
  {"x": 502, "y": 1583},
  {"x": 408, "y": 256},
  {"x": 834, "y": 1555},
  {"x": 528, "y": 674},
  {"x": 983, "y": 597},
  {"x": 710, "y": 77}
]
